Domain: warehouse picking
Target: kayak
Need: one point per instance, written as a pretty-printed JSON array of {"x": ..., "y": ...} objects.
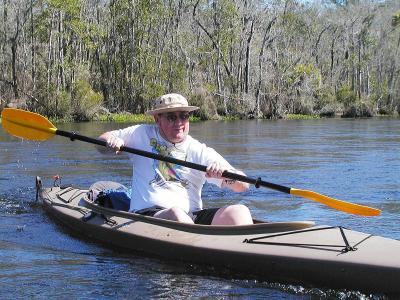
[{"x": 295, "y": 252}]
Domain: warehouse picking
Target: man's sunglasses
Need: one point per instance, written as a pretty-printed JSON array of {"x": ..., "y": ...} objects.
[{"x": 172, "y": 117}]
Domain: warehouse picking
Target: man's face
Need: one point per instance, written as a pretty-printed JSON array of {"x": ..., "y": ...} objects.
[{"x": 174, "y": 126}]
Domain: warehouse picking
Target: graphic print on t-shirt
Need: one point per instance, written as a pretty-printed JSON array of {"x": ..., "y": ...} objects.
[{"x": 165, "y": 171}]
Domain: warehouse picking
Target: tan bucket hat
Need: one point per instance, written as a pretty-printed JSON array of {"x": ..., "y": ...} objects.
[{"x": 170, "y": 103}]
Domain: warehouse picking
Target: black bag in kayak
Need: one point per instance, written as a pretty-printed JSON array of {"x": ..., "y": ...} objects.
[{"x": 115, "y": 199}]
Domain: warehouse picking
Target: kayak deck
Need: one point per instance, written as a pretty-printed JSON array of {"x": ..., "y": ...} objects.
[
  {"x": 77, "y": 199},
  {"x": 288, "y": 252}
]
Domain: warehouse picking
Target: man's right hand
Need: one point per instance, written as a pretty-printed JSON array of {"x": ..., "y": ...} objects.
[{"x": 115, "y": 143}]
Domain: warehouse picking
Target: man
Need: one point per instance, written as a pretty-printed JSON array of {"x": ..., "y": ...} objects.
[{"x": 170, "y": 191}]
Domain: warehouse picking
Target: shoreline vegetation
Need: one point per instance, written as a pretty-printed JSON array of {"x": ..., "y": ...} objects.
[
  {"x": 143, "y": 118},
  {"x": 86, "y": 60},
  {"x": 127, "y": 117}
]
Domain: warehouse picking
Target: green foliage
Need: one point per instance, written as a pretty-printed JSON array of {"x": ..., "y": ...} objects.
[
  {"x": 126, "y": 118},
  {"x": 74, "y": 23},
  {"x": 304, "y": 72},
  {"x": 358, "y": 110},
  {"x": 301, "y": 117},
  {"x": 381, "y": 98},
  {"x": 346, "y": 96},
  {"x": 177, "y": 76},
  {"x": 63, "y": 104},
  {"x": 72, "y": 7},
  {"x": 396, "y": 19},
  {"x": 85, "y": 101},
  {"x": 295, "y": 23},
  {"x": 203, "y": 99},
  {"x": 41, "y": 25},
  {"x": 324, "y": 97},
  {"x": 224, "y": 24},
  {"x": 132, "y": 118},
  {"x": 325, "y": 102},
  {"x": 152, "y": 90},
  {"x": 229, "y": 29}
]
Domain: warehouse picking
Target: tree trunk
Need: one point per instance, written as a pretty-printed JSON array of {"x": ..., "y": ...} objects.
[
  {"x": 247, "y": 68},
  {"x": 14, "y": 47},
  {"x": 33, "y": 52}
]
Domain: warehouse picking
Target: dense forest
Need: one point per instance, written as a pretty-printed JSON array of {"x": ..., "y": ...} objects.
[{"x": 247, "y": 58}]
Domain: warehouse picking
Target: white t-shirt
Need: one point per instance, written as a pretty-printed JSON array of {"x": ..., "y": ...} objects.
[{"x": 164, "y": 184}]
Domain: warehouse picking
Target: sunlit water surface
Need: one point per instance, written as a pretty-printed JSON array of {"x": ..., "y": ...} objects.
[{"x": 353, "y": 160}]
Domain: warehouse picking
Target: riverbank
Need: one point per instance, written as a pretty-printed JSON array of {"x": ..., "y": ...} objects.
[
  {"x": 131, "y": 118},
  {"x": 142, "y": 118},
  {"x": 126, "y": 117}
]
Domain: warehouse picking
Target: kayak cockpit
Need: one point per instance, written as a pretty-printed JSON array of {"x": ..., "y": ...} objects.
[{"x": 78, "y": 198}]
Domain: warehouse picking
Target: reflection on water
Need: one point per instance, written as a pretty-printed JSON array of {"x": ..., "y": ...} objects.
[{"x": 353, "y": 160}]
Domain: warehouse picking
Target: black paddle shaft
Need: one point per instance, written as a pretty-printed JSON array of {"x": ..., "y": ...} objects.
[{"x": 257, "y": 182}]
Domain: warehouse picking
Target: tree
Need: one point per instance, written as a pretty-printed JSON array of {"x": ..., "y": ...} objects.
[{"x": 233, "y": 57}]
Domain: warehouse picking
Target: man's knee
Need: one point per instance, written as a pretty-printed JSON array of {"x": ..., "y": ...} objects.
[
  {"x": 236, "y": 210},
  {"x": 236, "y": 214},
  {"x": 174, "y": 214}
]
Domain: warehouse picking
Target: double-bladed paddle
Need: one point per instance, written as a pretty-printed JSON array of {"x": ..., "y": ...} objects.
[{"x": 33, "y": 126}]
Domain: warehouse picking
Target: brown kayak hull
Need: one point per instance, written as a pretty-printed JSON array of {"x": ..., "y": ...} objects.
[{"x": 284, "y": 252}]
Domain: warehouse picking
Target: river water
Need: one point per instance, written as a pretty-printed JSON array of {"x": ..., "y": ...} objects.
[{"x": 353, "y": 160}]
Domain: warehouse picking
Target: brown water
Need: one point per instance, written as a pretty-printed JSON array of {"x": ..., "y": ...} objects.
[{"x": 353, "y": 160}]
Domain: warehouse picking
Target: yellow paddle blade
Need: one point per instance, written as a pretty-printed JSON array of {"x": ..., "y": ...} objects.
[
  {"x": 27, "y": 125},
  {"x": 347, "y": 207}
]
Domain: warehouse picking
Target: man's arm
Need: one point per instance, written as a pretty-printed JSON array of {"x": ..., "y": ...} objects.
[
  {"x": 215, "y": 170},
  {"x": 114, "y": 143},
  {"x": 235, "y": 185}
]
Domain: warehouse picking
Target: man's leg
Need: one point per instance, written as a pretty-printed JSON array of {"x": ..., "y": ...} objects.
[
  {"x": 174, "y": 214},
  {"x": 233, "y": 215}
]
